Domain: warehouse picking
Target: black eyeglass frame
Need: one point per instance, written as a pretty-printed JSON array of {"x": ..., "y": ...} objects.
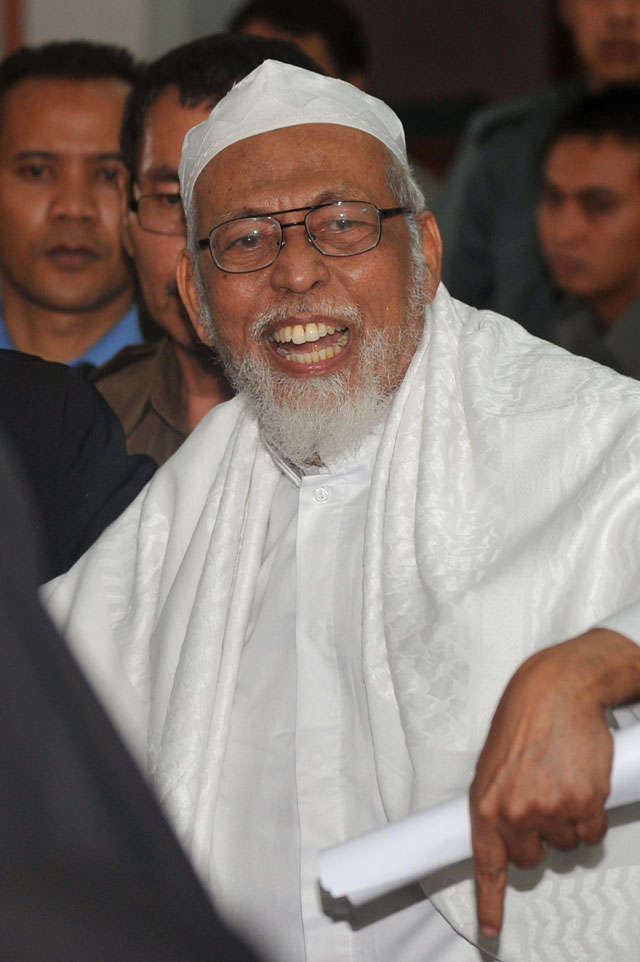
[
  {"x": 134, "y": 207},
  {"x": 204, "y": 243}
]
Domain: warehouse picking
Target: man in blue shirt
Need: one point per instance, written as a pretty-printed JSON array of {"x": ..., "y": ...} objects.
[{"x": 66, "y": 282}]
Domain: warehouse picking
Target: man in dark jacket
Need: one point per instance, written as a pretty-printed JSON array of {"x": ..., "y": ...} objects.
[{"x": 71, "y": 450}]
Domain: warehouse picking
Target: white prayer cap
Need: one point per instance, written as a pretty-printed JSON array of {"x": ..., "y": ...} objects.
[{"x": 277, "y": 95}]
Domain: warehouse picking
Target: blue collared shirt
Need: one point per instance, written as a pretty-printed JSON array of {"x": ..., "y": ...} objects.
[{"x": 126, "y": 331}]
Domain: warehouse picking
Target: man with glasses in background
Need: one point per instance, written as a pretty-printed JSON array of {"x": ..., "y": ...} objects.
[{"x": 161, "y": 390}]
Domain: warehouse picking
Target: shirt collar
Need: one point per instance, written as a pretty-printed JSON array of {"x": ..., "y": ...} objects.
[{"x": 365, "y": 451}]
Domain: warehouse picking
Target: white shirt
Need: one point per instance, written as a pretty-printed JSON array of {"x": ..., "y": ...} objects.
[{"x": 299, "y": 772}]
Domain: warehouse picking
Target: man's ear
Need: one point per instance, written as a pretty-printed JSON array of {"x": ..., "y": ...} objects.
[
  {"x": 189, "y": 293},
  {"x": 432, "y": 250}
]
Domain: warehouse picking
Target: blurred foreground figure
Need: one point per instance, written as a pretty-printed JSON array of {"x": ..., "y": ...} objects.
[
  {"x": 90, "y": 869},
  {"x": 322, "y": 597}
]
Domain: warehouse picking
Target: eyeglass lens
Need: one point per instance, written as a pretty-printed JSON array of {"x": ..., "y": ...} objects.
[
  {"x": 162, "y": 213},
  {"x": 338, "y": 230}
]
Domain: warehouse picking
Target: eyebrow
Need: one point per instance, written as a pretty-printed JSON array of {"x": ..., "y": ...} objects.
[
  {"x": 591, "y": 190},
  {"x": 113, "y": 156},
  {"x": 163, "y": 174},
  {"x": 598, "y": 190}
]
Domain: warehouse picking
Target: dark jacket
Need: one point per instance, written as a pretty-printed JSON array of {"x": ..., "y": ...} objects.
[{"x": 72, "y": 451}]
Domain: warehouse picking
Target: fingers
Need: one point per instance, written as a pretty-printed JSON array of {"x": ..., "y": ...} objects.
[
  {"x": 496, "y": 842},
  {"x": 490, "y": 870},
  {"x": 592, "y": 830},
  {"x": 500, "y": 837}
]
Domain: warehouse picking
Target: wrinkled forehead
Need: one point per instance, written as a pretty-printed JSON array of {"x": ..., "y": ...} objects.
[{"x": 293, "y": 168}]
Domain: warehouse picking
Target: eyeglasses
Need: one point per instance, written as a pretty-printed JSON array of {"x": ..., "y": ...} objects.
[
  {"x": 160, "y": 213},
  {"x": 339, "y": 229}
]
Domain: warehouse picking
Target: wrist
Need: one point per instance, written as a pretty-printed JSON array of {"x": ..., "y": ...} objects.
[{"x": 602, "y": 663}]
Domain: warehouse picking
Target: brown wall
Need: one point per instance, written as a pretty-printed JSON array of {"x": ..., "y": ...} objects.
[{"x": 447, "y": 49}]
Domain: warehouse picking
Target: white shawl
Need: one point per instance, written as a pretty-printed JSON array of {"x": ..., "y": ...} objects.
[{"x": 503, "y": 516}]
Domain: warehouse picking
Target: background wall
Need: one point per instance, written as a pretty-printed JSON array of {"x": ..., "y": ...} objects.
[{"x": 435, "y": 50}]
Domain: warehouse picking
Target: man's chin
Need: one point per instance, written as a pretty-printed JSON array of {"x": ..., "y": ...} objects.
[
  {"x": 321, "y": 418},
  {"x": 313, "y": 419}
]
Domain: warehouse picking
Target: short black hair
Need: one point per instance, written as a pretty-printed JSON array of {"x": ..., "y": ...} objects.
[
  {"x": 203, "y": 71},
  {"x": 334, "y": 20},
  {"x": 614, "y": 112},
  {"x": 72, "y": 60}
]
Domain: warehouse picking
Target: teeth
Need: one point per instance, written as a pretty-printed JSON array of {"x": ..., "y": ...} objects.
[
  {"x": 298, "y": 335},
  {"x": 303, "y": 357},
  {"x": 303, "y": 333}
]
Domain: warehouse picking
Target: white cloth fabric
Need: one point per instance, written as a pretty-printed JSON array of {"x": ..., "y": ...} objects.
[
  {"x": 276, "y": 95},
  {"x": 299, "y": 756},
  {"x": 626, "y": 622},
  {"x": 503, "y": 515}
]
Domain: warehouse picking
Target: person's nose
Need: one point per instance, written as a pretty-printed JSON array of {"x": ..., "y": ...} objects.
[
  {"x": 299, "y": 267},
  {"x": 568, "y": 224},
  {"x": 73, "y": 197}
]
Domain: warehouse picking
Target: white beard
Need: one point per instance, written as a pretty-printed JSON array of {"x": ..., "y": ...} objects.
[{"x": 315, "y": 419}]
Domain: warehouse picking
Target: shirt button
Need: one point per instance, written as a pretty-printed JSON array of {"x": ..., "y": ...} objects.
[{"x": 321, "y": 495}]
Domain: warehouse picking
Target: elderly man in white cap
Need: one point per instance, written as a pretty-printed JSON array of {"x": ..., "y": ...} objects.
[{"x": 308, "y": 618}]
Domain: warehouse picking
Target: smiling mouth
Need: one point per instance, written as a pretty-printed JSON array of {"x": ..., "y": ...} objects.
[{"x": 309, "y": 343}]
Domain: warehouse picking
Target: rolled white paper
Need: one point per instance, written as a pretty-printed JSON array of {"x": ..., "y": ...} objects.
[{"x": 410, "y": 849}]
